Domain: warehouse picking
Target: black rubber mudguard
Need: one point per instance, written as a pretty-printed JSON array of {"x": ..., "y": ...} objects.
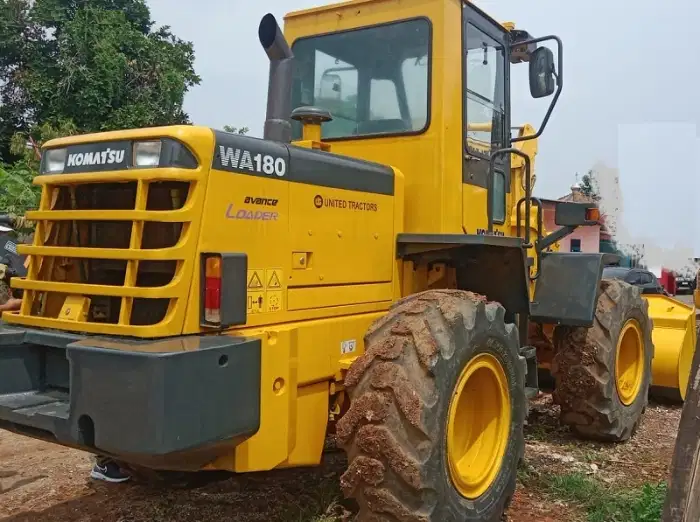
[{"x": 566, "y": 291}]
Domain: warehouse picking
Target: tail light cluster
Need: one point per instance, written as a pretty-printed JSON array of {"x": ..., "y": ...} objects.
[
  {"x": 212, "y": 290},
  {"x": 224, "y": 289}
]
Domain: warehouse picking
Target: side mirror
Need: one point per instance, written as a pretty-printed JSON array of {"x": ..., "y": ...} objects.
[
  {"x": 542, "y": 82},
  {"x": 571, "y": 214},
  {"x": 331, "y": 87}
]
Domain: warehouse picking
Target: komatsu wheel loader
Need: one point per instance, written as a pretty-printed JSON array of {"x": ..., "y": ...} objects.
[{"x": 376, "y": 265}]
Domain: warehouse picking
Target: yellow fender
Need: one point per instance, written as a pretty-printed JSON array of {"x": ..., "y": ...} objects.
[{"x": 674, "y": 346}]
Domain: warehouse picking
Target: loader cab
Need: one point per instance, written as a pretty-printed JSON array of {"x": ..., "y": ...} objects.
[
  {"x": 425, "y": 88},
  {"x": 369, "y": 95}
]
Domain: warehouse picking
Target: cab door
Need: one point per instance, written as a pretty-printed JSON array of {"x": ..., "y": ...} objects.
[{"x": 486, "y": 122}]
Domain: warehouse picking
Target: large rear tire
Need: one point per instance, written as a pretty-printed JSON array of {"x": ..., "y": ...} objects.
[
  {"x": 434, "y": 432},
  {"x": 603, "y": 373}
]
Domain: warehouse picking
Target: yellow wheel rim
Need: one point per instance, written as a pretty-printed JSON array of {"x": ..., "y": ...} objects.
[
  {"x": 478, "y": 426},
  {"x": 629, "y": 363}
]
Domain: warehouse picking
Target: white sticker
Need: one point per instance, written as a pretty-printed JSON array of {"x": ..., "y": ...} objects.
[{"x": 348, "y": 346}]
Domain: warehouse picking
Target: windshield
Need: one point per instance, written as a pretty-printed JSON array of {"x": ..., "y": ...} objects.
[
  {"x": 615, "y": 272},
  {"x": 373, "y": 80}
]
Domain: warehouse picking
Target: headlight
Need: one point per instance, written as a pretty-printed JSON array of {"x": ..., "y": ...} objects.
[
  {"x": 147, "y": 153},
  {"x": 54, "y": 161}
]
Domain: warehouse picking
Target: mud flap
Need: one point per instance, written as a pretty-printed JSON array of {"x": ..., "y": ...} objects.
[{"x": 566, "y": 291}]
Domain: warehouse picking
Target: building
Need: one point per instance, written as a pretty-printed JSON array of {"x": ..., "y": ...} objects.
[{"x": 583, "y": 239}]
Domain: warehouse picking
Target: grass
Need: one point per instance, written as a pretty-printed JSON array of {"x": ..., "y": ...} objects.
[
  {"x": 537, "y": 432},
  {"x": 604, "y": 503},
  {"x": 316, "y": 504}
]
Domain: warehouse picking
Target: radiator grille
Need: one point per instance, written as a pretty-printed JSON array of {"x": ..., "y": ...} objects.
[{"x": 124, "y": 245}]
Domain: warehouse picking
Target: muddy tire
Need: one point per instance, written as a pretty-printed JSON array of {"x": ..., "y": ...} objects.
[
  {"x": 594, "y": 402},
  {"x": 396, "y": 432}
]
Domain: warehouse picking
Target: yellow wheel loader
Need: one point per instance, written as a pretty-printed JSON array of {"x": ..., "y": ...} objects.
[{"x": 200, "y": 300}]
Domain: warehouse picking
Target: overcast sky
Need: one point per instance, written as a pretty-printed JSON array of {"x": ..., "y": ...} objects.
[{"x": 631, "y": 98}]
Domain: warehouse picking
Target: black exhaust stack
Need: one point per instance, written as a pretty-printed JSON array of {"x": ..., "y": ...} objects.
[{"x": 279, "y": 89}]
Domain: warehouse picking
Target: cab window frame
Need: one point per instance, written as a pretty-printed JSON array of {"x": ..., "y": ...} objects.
[
  {"x": 429, "y": 87},
  {"x": 476, "y": 172}
]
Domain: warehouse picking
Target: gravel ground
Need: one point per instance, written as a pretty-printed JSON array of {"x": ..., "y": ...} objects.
[{"x": 41, "y": 482}]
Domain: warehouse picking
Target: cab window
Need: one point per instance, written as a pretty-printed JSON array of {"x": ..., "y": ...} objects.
[
  {"x": 374, "y": 81},
  {"x": 485, "y": 96}
]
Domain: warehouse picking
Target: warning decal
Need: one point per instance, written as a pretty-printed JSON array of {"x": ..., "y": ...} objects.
[
  {"x": 255, "y": 302},
  {"x": 348, "y": 346},
  {"x": 273, "y": 277},
  {"x": 254, "y": 281},
  {"x": 265, "y": 290},
  {"x": 274, "y": 300}
]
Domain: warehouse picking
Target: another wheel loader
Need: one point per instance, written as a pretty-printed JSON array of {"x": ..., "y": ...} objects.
[{"x": 199, "y": 300}]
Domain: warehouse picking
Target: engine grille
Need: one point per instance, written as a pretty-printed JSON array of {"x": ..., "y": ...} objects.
[{"x": 125, "y": 245}]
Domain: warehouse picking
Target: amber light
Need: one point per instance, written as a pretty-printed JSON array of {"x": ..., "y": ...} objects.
[
  {"x": 212, "y": 289},
  {"x": 592, "y": 214}
]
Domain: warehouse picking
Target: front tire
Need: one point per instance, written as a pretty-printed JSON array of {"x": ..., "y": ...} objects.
[
  {"x": 439, "y": 370},
  {"x": 603, "y": 373}
]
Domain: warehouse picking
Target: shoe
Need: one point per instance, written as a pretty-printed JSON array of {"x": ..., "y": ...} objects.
[{"x": 110, "y": 472}]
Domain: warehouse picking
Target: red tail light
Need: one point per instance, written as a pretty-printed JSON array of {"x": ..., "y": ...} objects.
[
  {"x": 223, "y": 289},
  {"x": 212, "y": 289}
]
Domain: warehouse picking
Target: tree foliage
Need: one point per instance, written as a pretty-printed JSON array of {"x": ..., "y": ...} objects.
[
  {"x": 589, "y": 185},
  {"x": 80, "y": 66},
  {"x": 236, "y": 130},
  {"x": 98, "y": 64},
  {"x": 17, "y": 192}
]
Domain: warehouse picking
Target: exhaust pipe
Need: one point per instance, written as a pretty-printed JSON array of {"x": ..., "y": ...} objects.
[{"x": 279, "y": 87}]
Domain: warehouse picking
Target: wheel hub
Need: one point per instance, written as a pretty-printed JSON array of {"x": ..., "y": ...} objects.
[
  {"x": 629, "y": 362},
  {"x": 478, "y": 426}
]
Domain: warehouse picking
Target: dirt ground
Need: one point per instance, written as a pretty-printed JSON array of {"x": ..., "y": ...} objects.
[
  {"x": 552, "y": 450},
  {"x": 41, "y": 482}
]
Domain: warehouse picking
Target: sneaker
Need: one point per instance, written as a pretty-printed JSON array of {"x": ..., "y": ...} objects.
[{"x": 110, "y": 472}]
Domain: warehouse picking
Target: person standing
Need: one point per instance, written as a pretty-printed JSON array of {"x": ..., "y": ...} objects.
[{"x": 108, "y": 470}]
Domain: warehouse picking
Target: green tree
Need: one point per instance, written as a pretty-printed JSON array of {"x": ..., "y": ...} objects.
[
  {"x": 80, "y": 66},
  {"x": 97, "y": 65},
  {"x": 17, "y": 192},
  {"x": 589, "y": 185},
  {"x": 236, "y": 130}
]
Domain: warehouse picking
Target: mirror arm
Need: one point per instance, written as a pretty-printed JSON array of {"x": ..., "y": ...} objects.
[
  {"x": 548, "y": 240},
  {"x": 560, "y": 84}
]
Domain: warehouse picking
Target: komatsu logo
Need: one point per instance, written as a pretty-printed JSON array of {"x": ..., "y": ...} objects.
[
  {"x": 242, "y": 159},
  {"x": 104, "y": 157}
]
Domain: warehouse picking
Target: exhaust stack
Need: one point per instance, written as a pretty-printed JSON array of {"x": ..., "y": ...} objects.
[{"x": 279, "y": 88}]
